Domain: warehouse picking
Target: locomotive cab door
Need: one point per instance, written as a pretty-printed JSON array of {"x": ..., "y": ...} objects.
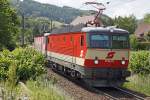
[
  {"x": 74, "y": 47},
  {"x": 81, "y": 45},
  {"x": 78, "y": 48}
]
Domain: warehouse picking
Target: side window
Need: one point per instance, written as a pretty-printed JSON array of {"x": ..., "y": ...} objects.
[
  {"x": 48, "y": 40},
  {"x": 71, "y": 39},
  {"x": 81, "y": 40},
  {"x": 64, "y": 39}
]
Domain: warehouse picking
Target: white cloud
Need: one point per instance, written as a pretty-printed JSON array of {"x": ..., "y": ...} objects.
[
  {"x": 115, "y": 8},
  {"x": 136, "y": 7}
]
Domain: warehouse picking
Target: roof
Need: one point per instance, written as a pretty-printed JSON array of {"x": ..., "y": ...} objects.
[
  {"x": 39, "y": 35},
  {"x": 110, "y": 29},
  {"x": 82, "y": 28},
  {"x": 82, "y": 20},
  {"x": 69, "y": 28},
  {"x": 142, "y": 28},
  {"x": 47, "y": 34}
]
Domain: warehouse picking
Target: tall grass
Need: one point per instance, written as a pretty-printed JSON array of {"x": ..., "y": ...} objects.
[
  {"x": 140, "y": 67},
  {"x": 139, "y": 83},
  {"x": 44, "y": 89}
]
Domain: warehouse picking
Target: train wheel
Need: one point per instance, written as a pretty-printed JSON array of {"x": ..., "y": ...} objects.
[
  {"x": 64, "y": 70},
  {"x": 54, "y": 66},
  {"x": 59, "y": 67},
  {"x": 73, "y": 73},
  {"x": 78, "y": 75}
]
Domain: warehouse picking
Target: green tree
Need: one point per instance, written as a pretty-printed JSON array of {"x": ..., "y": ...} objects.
[
  {"x": 127, "y": 23},
  {"x": 133, "y": 42},
  {"x": 107, "y": 21},
  {"x": 8, "y": 25},
  {"x": 147, "y": 18}
]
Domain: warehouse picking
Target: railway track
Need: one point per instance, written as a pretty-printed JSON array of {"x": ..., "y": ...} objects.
[
  {"x": 117, "y": 93},
  {"x": 113, "y": 93},
  {"x": 137, "y": 96}
]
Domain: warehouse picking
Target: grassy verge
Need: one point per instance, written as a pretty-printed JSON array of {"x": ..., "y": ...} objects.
[
  {"x": 43, "y": 88},
  {"x": 139, "y": 83},
  {"x": 7, "y": 92},
  {"x": 27, "y": 65}
]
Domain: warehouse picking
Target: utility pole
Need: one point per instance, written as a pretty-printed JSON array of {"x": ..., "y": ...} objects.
[
  {"x": 23, "y": 29},
  {"x": 21, "y": 12},
  {"x": 51, "y": 23}
]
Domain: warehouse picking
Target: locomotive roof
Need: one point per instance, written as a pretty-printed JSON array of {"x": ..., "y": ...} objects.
[
  {"x": 83, "y": 28},
  {"x": 39, "y": 35},
  {"x": 104, "y": 29}
]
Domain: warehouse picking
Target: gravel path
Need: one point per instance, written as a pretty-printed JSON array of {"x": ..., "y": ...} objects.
[{"x": 75, "y": 91}]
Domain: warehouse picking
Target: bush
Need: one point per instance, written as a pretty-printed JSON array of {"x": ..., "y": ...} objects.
[
  {"x": 140, "y": 62},
  {"x": 145, "y": 45},
  {"x": 136, "y": 45},
  {"x": 29, "y": 63},
  {"x": 133, "y": 42},
  {"x": 5, "y": 62}
]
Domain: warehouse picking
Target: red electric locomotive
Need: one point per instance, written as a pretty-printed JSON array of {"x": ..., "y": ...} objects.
[{"x": 98, "y": 55}]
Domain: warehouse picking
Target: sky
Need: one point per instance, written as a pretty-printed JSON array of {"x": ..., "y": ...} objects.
[{"x": 116, "y": 7}]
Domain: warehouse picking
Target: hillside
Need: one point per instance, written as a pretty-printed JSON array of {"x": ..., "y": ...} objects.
[{"x": 61, "y": 14}]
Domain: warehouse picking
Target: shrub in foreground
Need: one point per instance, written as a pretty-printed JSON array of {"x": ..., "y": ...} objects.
[
  {"x": 140, "y": 62},
  {"x": 5, "y": 62},
  {"x": 29, "y": 63}
]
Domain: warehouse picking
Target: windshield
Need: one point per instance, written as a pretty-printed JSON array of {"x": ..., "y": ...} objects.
[
  {"x": 120, "y": 42},
  {"x": 109, "y": 41},
  {"x": 99, "y": 41}
]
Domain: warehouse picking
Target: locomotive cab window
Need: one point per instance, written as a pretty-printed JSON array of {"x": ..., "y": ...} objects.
[
  {"x": 81, "y": 40},
  {"x": 99, "y": 41},
  {"x": 120, "y": 42}
]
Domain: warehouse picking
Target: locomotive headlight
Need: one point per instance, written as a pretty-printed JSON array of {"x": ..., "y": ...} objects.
[
  {"x": 95, "y": 61},
  {"x": 123, "y": 62}
]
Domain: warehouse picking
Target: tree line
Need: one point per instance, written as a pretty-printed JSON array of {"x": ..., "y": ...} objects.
[{"x": 8, "y": 25}]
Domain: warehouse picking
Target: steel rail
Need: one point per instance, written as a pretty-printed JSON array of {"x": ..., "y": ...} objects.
[{"x": 132, "y": 94}]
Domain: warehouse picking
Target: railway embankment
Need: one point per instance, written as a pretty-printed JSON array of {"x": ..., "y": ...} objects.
[
  {"x": 76, "y": 90},
  {"x": 80, "y": 91}
]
